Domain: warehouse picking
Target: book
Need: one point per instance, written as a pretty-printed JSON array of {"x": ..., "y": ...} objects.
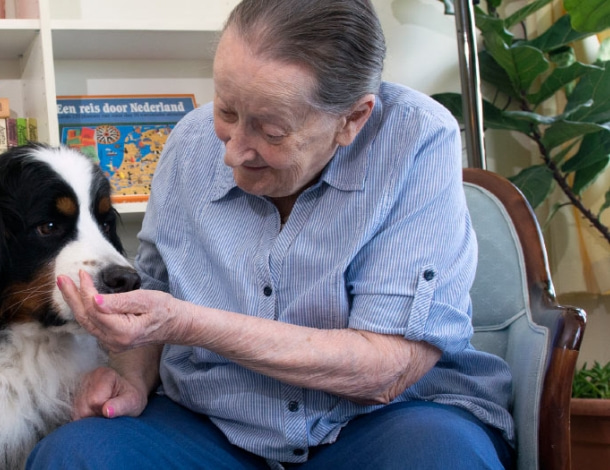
[
  {"x": 27, "y": 9},
  {"x": 5, "y": 109},
  {"x": 3, "y": 135},
  {"x": 124, "y": 134},
  {"x": 32, "y": 129},
  {"x": 22, "y": 131},
  {"x": 11, "y": 124}
]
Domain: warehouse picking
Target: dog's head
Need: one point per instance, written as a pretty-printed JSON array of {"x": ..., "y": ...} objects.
[{"x": 56, "y": 217}]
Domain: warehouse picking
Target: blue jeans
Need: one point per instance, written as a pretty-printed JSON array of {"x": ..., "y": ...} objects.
[{"x": 411, "y": 435}]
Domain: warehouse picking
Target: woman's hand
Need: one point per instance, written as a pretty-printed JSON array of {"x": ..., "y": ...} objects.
[
  {"x": 134, "y": 338},
  {"x": 130, "y": 320},
  {"x": 103, "y": 392}
]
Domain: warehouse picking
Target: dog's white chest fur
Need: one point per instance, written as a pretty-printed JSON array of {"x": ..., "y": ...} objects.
[{"x": 39, "y": 370}]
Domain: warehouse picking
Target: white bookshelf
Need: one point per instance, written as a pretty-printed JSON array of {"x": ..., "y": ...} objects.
[{"x": 89, "y": 47}]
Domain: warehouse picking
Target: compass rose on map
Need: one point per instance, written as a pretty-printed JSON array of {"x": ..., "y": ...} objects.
[{"x": 107, "y": 134}]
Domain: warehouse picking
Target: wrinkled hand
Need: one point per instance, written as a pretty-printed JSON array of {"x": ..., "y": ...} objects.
[
  {"x": 121, "y": 321},
  {"x": 103, "y": 392}
]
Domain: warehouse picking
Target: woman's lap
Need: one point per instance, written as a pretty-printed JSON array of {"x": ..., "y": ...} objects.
[
  {"x": 165, "y": 436},
  {"x": 415, "y": 435},
  {"x": 418, "y": 435}
]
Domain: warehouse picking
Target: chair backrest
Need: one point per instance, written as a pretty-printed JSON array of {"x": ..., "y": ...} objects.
[{"x": 516, "y": 317}]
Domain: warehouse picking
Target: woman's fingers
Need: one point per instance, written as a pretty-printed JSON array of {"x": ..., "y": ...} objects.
[{"x": 119, "y": 321}]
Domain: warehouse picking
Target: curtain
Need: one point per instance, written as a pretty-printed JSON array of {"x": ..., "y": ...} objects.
[{"x": 579, "y": 256}]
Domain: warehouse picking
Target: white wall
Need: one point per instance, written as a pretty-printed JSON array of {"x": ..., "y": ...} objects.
[{"x": 421, "y": 42}]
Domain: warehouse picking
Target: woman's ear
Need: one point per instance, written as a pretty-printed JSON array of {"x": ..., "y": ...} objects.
[{"x": 355, "y": 120}]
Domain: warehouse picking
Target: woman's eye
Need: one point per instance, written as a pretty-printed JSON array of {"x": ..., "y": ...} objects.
[
  {"x": 47, "y": 229},
  {"x": 227, "y": 115},
  {"x": 274, "y": 135},
  {"x": 274, "y": 138}
]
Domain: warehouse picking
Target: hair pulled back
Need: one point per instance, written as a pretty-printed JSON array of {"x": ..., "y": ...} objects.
[{"x": 340, "y": 41}]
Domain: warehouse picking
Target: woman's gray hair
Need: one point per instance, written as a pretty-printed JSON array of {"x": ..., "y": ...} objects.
[{"x": 340, "y": 41}]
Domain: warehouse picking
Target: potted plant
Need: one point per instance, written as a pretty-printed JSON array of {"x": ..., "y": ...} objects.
[
  {"x": 525, "y": 72},
  {"x": 590, "y": 418}
]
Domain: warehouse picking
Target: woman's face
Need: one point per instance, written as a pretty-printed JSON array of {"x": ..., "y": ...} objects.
[{"x": 276, "y": 144}]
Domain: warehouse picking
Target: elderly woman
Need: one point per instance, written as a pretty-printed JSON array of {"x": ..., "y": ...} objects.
[{"x": 306, "y": 258}]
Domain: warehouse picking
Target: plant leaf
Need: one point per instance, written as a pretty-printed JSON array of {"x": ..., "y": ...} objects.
[
  {"x": 604, "y": 51},
  {"x": 559, "y": 34},
  {"x": 492, "y": 73},
  {"x": 563, "y": 130},
  {"x": 524, "y": 12},
  {"x": 492, "y": 25},
  {"x": 493, "y": 117},
  {"x": 590, "y": 16},
  {"x": 595, "y": 85},
  {"x": 560, "y": 77},
  {"x": 559, "y": 156},
  {"x": 593, "y": 382},
  {"x": 535, "y": 182},
  {"x": 522, "y": 63},
  {"x": 593, "y": 149},
  {"x": 587, "y": 175},
  {"x": 563, "y": 56},
  {"x": 531, "y": 117}
]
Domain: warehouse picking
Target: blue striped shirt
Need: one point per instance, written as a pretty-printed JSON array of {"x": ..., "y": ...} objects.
[{"x": 382, "y": 242}]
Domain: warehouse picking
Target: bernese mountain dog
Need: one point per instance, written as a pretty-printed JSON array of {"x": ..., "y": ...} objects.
[{"x": 56, "y": 217}]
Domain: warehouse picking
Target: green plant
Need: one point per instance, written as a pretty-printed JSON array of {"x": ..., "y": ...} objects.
[
  {"x": 525, "y": 72},
  {"x": 593, "y": 382}
]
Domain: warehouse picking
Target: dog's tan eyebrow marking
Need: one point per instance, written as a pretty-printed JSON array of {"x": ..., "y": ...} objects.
[
  {"x": 103, "y": 206},
  {"x": 66, "y": 206}
]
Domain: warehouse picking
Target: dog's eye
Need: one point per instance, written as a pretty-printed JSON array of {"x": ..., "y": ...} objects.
[
  {"x": 46, "y": 229},
  {"x": 105, "y": 226}
]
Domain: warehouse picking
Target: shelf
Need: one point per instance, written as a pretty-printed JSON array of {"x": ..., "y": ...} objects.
[
  {"x": 16, "y": 37},
  {"x": 103, "y": 40},
  {"x": 126, "y": 208},
  {"x": 87, "y": 47}
]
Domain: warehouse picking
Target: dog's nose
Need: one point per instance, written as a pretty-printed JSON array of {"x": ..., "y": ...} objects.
[{"x": 116, "y": 278}]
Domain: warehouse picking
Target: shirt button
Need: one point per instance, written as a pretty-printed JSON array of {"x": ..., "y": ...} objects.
[
  {"x": 293, "y": 406},
  {"x": 298, "y": 452},
  {"x": 428, "y": 274},
  {"x": 267, "y": 291}
]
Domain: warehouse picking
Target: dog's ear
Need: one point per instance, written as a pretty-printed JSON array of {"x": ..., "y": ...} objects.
[
  {"x": 9, "y": 219},
  {"x": 3, "y": 244},
  {"x": 114, "y": 236}
]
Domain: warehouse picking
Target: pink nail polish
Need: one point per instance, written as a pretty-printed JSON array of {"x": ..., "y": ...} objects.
[
  {"x": 60, "y": 282},
  {"x": 110, "y": 411},
  {"x": 98, "y": 299}
]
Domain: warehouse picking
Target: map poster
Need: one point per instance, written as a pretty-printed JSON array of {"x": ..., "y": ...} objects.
[{"x": 124, "y": 134}]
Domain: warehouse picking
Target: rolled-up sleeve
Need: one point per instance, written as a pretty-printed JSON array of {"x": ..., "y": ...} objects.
[{"x": 414, "y": 275}]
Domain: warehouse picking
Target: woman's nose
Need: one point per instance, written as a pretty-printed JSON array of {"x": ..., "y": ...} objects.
[{"x": 239, "y": 147}]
